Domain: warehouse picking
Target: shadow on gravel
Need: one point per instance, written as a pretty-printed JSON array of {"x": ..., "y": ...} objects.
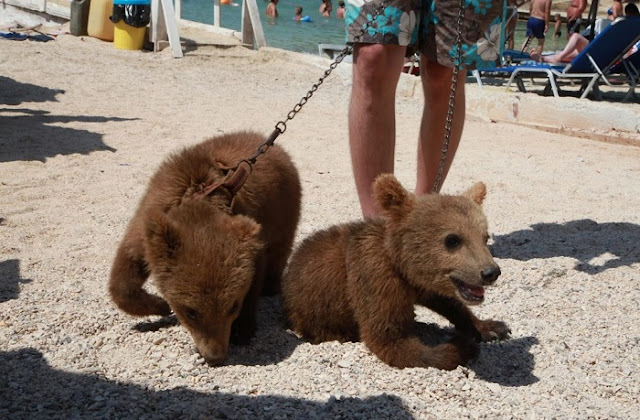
[
  {"x": 508, "y": 362},
  {"x": 31, "y": 389},
  {"x": 35, "y": 135},
  {"x": 13, "y": 92},
  {"x": 272, "y": 343},
  {"x": 10, "y": 280},
  {"x": 583, "y": 240}
]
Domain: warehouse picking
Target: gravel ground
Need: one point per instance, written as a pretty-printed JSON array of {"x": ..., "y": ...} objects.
[{"x": 83, "y": 126}]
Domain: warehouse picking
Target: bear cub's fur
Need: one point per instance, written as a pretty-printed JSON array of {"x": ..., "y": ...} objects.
[
  {"x": 361, "y": 280},
  {"x": 211, "y": 255}
]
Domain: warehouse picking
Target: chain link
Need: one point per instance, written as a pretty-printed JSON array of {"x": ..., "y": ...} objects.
[
  {"x": 452, "y": 100},
  {"x": 281, "y": 126}
]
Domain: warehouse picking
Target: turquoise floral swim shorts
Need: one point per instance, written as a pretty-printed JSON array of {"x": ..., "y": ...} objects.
[{"x": 431, "y": 26}]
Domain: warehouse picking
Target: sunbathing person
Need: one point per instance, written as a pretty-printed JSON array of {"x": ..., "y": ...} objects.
[{"x": 574, "y": 46}]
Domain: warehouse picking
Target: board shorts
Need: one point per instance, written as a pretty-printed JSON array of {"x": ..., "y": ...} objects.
[
  {"x": 431, "y": 27},
  {"x": 573, "y": 26},
  {"x": 535, "y": 27}
]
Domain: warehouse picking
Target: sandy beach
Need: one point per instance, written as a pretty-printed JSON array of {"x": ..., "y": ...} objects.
[{"x": 83, "y": 126}]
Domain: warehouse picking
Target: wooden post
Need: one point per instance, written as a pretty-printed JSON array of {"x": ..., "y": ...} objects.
[
  {"x": 216, "y": 13},
  {"x": 251, "y": 25},
  {"x": 163, "y": 26}
]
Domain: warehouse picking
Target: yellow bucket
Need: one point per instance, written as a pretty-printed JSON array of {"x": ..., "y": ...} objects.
[{"x": 127, "y": 37}]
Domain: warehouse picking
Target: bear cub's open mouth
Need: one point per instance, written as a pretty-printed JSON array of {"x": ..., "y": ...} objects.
[{"x": 469, "y": 292}]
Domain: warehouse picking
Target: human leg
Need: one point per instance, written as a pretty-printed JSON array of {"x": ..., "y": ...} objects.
[
  {"x": 379, "y": 51},
  {"x": 476, "y": 42},
  {"x": 436, "y": 85},
  {"x": 540, "y": 46},
  {"x": 376, "y": 70},
  {"x": 574, "y": 46}
]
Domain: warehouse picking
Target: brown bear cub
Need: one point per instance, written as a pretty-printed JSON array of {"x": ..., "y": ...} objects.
[
  {"x": 360, "y": 281},
  {"x": 213, "y": 254}
]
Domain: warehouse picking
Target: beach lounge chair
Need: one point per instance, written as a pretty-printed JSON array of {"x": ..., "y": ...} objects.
[
  {"x": 630, "y": 68},
  {"x": 593, "y": 64}
]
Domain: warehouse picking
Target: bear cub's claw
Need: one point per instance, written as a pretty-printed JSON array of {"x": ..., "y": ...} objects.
[{"x": 492, "y": 330}]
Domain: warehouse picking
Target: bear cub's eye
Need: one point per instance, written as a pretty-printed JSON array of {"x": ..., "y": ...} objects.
[
  {"x": 234, "y": 308},
  {"x": 191, "y": 314},
  {"x": 452, "y": 241}
]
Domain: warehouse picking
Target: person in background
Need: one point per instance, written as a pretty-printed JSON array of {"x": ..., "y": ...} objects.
[
  {"x": 574, "y": 16},
  {"x": 574, "y": 46},
  {"x": 578, "y": 42},
  {"x": 512, "y": 21},
  {"x": 615, "y": 10},
  {"x": 341, "y": 10},
  {"x": 632, "y": 10},
  {"x": 538, "y": 22},
  {"x": 298, "y": 15},
  {"x": 558, "y": 29},
  {"x": 272, "y": 9},
  {"x": 325, "y": 8}
]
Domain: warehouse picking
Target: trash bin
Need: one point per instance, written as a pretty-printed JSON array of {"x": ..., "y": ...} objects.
[{"x": 130, "y": 18}]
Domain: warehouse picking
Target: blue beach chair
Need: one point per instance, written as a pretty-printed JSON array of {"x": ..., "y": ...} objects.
[
  {"x": 593, "y": 64},
  {"x": 630, "y": 68}
]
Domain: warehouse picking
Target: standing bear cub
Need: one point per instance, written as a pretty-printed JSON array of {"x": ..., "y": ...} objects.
[
  {"x": 210, "y": 251},
  {"x": 360, "y": 281}
]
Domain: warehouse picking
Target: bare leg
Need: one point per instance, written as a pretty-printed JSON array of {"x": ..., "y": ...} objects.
[
  {"x": 574, "y": 46},
  {"x": 436, "y": 84},
  {"x": 540, "y": 47},
  {"x": 372, "y": 127}
]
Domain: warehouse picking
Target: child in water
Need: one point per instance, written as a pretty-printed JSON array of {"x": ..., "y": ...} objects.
[{"x": 298, "y": 16}]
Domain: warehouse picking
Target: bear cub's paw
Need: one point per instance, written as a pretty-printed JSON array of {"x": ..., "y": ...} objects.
[{"x": 491, "y": 330}]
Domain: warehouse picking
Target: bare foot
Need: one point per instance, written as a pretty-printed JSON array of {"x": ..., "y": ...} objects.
[{"x": 536, "y": 56}]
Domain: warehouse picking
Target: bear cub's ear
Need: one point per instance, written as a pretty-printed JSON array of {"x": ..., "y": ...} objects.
[
  {"x": 391, "y": 196},
  {"x": 477, "y": 193},
  {"x": 163, "y": 238}
]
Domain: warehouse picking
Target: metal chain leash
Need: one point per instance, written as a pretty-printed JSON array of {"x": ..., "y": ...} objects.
[
  {"x": 281, "y": 126},
  {"x": 452, "y": 99},
  {"x": 237, "y": 173}
]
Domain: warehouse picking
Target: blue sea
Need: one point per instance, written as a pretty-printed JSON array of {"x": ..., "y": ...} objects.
[
  {"x": 281, "y": 32},
  {"x": 285, "y": 33}
]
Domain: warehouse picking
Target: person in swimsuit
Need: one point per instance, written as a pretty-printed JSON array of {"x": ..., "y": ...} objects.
[
  {"x": 538, "y": 23},
  {"x": 341, "y": 10},
  {"x": 574, "y": 16},
  {"x": 379, "y": 50},
  {"x": 558, "y": 29},
  {"x": 325, "y": 8},
  {"x": 298, "y": 15},
  {"x": 615, "y": 10},
  {"x": 512, "y": 21},
  {"x": 272, "y": 9}
]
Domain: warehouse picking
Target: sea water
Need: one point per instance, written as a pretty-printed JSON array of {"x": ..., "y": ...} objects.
[
  {"x": 285, "y": 33},
  {"x": 281, "y": 32}
]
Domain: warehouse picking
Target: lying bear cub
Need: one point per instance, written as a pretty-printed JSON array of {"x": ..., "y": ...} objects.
[
  {"x": 360, "y": 281},
  {"x": 212, "y": 254}
]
